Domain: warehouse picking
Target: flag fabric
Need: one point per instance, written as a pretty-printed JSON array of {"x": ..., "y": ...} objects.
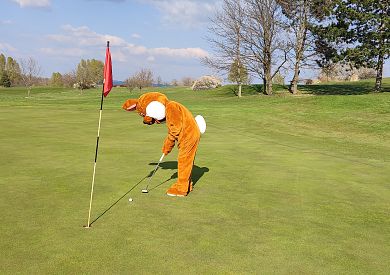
[{"x": 107, "y": 73}]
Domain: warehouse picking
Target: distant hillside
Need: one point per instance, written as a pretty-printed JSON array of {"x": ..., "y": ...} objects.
[{"x": 118, "y": 83}]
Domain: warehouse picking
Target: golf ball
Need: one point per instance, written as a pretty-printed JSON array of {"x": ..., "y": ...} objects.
[{"x": 130, "y": 199}]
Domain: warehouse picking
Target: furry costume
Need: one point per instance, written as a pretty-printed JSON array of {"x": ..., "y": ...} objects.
[{"x": 182, "y": 128}]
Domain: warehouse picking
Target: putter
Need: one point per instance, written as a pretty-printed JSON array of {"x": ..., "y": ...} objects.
[{"x": 146, "y": 190}]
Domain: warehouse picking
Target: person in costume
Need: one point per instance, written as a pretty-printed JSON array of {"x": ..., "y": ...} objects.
[{"x": 183, "y": 129}]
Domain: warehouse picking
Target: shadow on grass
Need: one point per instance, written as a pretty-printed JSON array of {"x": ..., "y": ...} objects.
[
  {"x": 338, "y": 89},
  {"x": 124, "y": 195},
  {"x": 254, "y": 89},
  {"x": 197, "y": 173},
  {"x": 246, "y": 89}
]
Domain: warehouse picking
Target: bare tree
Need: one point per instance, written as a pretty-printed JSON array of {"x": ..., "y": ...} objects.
[
  {"x": 226, "y": 41},
  {"x": 159, "y": 81},
  {"x": 297, "y": 12},
  {"x": 187, "y": 81},
  {"x": 301, "y": 14},
  {"x": 69, "y": 79},
  {"x": 174, "y": 82},
  {"x": 30, "y": 72},
  {"x": 131, "y": 83},
  {"x": 144, "y": 78},
  {"x": 252, "y": 34},
  {"x": 264, "y": 40}
]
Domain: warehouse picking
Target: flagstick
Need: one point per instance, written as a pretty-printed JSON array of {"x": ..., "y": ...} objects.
[
  {"x": 94, "y": 166},
  {"x": 96, "y": 154}
]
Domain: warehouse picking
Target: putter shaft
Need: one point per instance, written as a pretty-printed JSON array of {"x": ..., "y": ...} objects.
[{"x": 154, "y": 171}]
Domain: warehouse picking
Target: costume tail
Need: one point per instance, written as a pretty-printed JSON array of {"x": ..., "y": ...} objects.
[{"x": 201, "y": 123}]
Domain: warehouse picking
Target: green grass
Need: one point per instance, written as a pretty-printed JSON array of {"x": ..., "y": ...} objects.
[{"x": 285, "y": 184}]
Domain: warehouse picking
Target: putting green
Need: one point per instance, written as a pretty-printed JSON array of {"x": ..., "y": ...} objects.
[{"x": 283, "y": 184}]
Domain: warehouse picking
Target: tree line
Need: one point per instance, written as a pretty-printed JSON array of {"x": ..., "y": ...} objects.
[
  {"x": 87, "y": 74},
  {"x": 265, "y": 37}
]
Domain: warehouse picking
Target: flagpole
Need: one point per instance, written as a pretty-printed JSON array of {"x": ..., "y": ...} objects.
[{"x": 96, "y": 153}]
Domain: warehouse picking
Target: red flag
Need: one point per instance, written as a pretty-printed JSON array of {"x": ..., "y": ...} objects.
[{"x": 107, "y": 72}]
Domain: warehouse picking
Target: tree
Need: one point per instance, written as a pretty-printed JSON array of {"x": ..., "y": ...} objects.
[
  {"x": 357, "y": 31},
  {"x": 187, "y": 81},
  {"x": 30, "y": 71},
  {"x": 264, "y": 40},
  {"x": 13, "y": 70},
  {"x": 226, "y": 40},
  {"x": 131, "y": 83},
  {"x": 159, "y": 81},
  {"x": 69, "y": 79},
  {"x": 89, "y": 73},
  {"x": 144, "y": 78},
  {"x": 56, "y": 80},
  {"x": 301, "y": 14},
  {"x": 174, "y": 82},
  {"x": 366, "y": 73},
  {"x": 96, "y": 70},
  {"x": 10, "y": 67},
  {"x": 4, "y": 79},
  {"x": 83, "y": 75},
  {"x": 238, "y": 73},
  {"x": 2, "y": 64},
  {"x": 297, "y": 13},
  {"x": 278, "y": 79},
  {"x": 250, "y": 32},
  {"x": 141, "y": 79}
]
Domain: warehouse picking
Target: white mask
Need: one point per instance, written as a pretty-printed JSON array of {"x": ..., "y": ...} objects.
[{"x": 156, "y": 110}]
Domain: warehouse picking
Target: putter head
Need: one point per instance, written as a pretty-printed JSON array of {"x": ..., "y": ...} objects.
[{"x": 145, "y": 191}]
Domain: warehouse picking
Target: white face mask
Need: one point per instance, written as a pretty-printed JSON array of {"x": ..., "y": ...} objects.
[{"x": 156, "y": 110}]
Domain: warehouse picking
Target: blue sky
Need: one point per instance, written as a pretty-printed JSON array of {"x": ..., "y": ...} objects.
[{"x": 167, "y": 36}]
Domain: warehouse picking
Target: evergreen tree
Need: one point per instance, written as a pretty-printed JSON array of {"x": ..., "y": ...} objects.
[
  {"x": 13, "y": 70},
  {"x": 362, "y": 28},
  {"x": 2, "y": 65},
  {"x": 4, "y": 80}
]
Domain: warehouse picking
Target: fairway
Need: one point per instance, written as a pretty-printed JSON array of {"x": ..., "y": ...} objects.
[{"x": 283, "y": 185}]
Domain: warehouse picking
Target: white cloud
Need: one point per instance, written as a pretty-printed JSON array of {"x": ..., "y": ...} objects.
[
  {"x": 188, "y": 13},
  {"x": 86, "y": 37},
  {"x": 136, "y": 36},
  {"x": 184, "y": 53},
  {"x": 135, "y": 50},
  {"x": 117, "y": 1},
  {"x": 33, "y": 3},
  {"x": 87, "y": 40},
  {"x": 63, "y": 52}
]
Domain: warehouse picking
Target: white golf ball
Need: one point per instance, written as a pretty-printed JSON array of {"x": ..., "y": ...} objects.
[{"x": 130, "y": 199}]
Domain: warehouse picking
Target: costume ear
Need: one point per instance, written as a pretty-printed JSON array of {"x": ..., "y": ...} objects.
[{"x": 130, "y": 105}]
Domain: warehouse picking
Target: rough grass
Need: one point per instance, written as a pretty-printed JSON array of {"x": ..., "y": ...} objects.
[{"x": 284, "y": 184}]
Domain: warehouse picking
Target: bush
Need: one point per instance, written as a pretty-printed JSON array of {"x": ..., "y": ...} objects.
[{"x": 206, "y": 82}]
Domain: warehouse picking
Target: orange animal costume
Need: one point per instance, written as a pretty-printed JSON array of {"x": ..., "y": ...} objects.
[{"x": 182, "y": 128}]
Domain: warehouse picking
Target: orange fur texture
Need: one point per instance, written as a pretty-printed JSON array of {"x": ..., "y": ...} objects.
[{"x": 182, "y": 129}]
